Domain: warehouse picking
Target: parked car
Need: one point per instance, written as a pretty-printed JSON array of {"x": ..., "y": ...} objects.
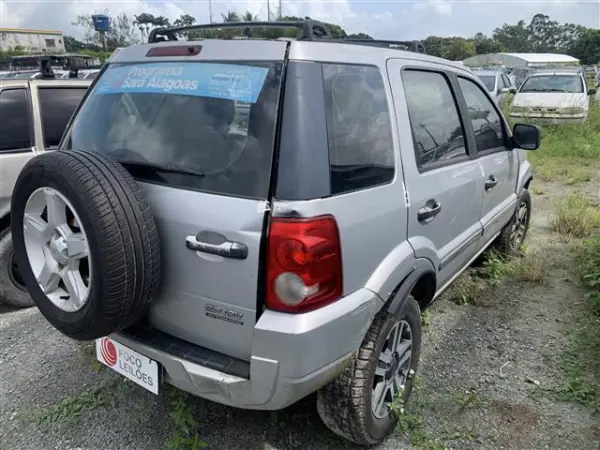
[
  {"x": 254, "y": 255},
  {"x": 557, "y": 97},
  {"x": 498, "y": 84},
  {"x": 33, "y": 116}
]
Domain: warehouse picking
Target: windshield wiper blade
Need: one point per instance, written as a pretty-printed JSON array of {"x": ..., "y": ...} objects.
[{"x": 171, "y": 168}]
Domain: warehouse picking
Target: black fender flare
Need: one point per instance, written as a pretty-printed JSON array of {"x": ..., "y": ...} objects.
[{"x": 398, "y": 298}]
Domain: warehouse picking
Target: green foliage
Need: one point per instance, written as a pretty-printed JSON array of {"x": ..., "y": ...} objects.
[
  {"x": 580, "y": 360},
  {"x": 576, "y": 217},
  {"x": 185, "y": 436}
]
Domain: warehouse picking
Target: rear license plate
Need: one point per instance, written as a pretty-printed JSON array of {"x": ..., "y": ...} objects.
[{"x": 129, "y": 363}]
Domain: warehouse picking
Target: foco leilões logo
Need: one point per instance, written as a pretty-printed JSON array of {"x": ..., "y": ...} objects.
[{"x": 109, "y": 352}]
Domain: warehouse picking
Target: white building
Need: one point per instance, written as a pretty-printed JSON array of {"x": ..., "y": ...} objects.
[{"x": 34, "y": 41}]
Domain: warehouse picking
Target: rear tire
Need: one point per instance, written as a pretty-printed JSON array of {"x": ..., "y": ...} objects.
[
  {"x": 12, "y": 290},
  {"x": 98, "y": 199},
  {"x": 346, "y": 404}
]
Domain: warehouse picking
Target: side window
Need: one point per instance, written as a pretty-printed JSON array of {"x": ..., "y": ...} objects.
[
  {"x": 57, "y": 106},
  {"x": 361, "y": 150},
  {"x": 15, "y": 126},
  {"x": 487, "y": 124},
  {"x": 436, "y": 127}
]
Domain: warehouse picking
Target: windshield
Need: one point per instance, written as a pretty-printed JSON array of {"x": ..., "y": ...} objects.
[
  {"x": 489, "y": 81},
  {"x": 215, "y": 119},
  {"x": 553, "y": 83}
]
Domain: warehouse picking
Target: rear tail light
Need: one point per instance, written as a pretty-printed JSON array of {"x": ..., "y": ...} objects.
[{"x": 304, "y": 265}]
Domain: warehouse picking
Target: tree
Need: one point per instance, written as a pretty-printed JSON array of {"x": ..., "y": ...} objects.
[
  {"x": 458, "y": 48},
  {"x": 145, "y": 22},
  {"x": 513, "y": 38},
  {"x": 184, "y": 20},
  {"x": 587, "y": 47},
  {"x": 120, "y": 34},
  {"x": 485, "y": 44},
  {"x": 231, "y": 16},
  {"x": 362, "y": 36}
]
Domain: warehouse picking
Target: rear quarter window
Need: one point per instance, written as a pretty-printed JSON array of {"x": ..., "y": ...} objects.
[{"x": 361, "y": 150}]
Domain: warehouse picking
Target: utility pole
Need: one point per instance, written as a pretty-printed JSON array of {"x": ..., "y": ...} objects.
[
  {"x": 210, "y": 11},
  {"x": 280, "y": 13},
  {"x": 268, "y": 11}
]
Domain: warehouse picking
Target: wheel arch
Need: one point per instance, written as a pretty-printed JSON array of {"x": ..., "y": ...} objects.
[{"x": 421, "y": 283}]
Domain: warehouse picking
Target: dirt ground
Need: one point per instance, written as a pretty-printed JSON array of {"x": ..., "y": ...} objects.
[{"x": 486, "y": 378}]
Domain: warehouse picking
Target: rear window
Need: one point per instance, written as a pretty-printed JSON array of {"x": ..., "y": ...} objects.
[
  {"x": 215, "y": 119},
  {"x": 57, "y": 106},
  {"x": 489, "y": 81}
]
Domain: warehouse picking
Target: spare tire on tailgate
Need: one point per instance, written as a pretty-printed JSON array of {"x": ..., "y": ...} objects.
[{"x": 85, "y": 241}]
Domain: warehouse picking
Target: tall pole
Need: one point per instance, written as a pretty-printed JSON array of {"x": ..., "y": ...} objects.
[
  {"x": 210, "y": 11},
  {"x": 268, "y": 11},
  {"x": 280, "y": 13}
]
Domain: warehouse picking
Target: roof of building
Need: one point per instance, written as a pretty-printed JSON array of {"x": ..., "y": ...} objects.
[
  {"x": 26, "y": 31},
  {"x": 542, "y": 57},
  {"x": 520, "y": 59}
]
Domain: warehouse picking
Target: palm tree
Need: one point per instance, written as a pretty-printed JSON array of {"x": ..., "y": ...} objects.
[
  {"x": 249, "y": 17},
  {"x": 231, "y": 16}
]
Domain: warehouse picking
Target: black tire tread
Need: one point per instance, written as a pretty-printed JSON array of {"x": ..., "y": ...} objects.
[
  {"x": 9, "y": 293},
  {"x": 502, "y": 244},
  {"x": 123, "y": 226},
  {"x": 342, "y": 404}
]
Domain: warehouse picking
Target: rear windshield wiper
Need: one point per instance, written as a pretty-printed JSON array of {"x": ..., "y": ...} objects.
[{"x": 171, "y": 168}]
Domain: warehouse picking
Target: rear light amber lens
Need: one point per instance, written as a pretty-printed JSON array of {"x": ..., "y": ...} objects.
[{"x": 304, "y": 266}]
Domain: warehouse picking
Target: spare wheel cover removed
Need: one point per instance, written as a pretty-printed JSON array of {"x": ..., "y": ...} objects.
[{"x": 85, "y": 241}]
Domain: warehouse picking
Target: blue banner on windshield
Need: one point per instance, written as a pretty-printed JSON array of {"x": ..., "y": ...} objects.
[{"x": 226, "y": 81}]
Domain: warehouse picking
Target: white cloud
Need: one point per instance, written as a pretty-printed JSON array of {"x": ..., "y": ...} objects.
[
  {"x": 385, "y": 19},
  {"x": 442, "y": 7}
]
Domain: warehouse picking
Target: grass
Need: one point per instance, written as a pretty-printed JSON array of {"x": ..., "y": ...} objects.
[
  {"x": 581, "y": 364},
  {"x": 185, "y": 436},
  {"x": 569, "y": 153},
  {"x": 576, "y": 216},
  {"x": 71, "y": 408}
]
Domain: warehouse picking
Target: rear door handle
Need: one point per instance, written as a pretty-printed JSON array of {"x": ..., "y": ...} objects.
[
  {"x": 431, "y": 209},
  {"x": 226, "y": 249},
  {"x": 491, "y": 183}
]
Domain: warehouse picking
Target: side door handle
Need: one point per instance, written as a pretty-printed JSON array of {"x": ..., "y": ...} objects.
[
  {"x": 431, "y": 209},
  {"x": 226, "y": 249},
  {"x": 491, "y": 183}
]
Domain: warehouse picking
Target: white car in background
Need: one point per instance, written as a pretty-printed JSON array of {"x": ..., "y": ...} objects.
[{"x": 557, "y": 97}]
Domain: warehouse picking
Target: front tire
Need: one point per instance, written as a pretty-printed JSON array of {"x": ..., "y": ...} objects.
[
  {"x": 355, "y": 406},
  {"x": 513, "y": 235}
]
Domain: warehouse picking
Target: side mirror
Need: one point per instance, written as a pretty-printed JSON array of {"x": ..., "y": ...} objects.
[
  {"x": 513, "y": 91},
  {"x": 526, "y": 137},
  {"x": 592, "y": 92}
]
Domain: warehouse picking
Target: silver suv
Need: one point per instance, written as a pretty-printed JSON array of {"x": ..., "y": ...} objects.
[{"x": 256, "y": 220}]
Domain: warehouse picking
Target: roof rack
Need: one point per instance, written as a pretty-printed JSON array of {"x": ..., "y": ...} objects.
[
  {"x": 310, "y": 29},
  {"x": 413, "y": 46},
  {"x": 46, "y": 68}
]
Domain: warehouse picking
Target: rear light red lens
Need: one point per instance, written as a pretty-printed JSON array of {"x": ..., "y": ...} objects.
[
  {"x": 175, "y": 50},
  {"x": 304, "y": 265}
]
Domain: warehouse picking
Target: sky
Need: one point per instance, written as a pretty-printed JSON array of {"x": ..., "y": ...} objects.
[{"x": 383, "y": 19}]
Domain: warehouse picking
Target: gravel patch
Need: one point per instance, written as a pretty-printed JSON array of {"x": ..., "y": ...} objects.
[{"x": 483, "y": 376}]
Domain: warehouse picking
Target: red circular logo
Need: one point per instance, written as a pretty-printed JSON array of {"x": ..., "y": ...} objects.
[{"x": 109, "y": 352}]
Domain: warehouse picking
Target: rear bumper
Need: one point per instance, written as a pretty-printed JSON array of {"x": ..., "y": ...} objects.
[{"x": 292, "y": 355}]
